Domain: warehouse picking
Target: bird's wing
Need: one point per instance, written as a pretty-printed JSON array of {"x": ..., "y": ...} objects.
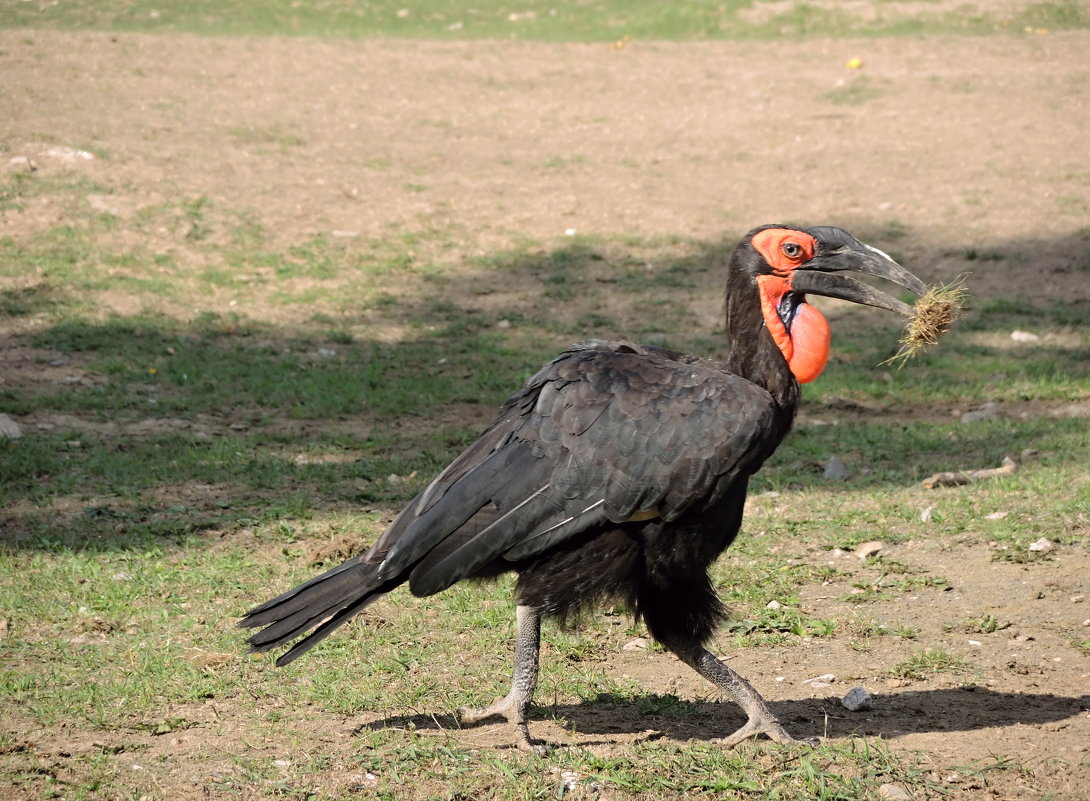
[{"x": 605, "y": 433}]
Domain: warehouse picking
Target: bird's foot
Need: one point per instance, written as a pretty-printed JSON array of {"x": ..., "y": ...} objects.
[
  {"x": 504, "y": 707},
  {"x": 523, "y": 742},
  {"x": 508, "y": 709},
  {"x": 768, "y": 726},
  {"x": 761, "y": 720}
]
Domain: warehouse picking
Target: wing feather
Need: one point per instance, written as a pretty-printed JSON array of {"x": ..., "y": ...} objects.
[{"x": 603, "y": 432}]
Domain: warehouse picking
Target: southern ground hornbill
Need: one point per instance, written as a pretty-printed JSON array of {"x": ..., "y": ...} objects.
[{"x": 618, "y": 472}]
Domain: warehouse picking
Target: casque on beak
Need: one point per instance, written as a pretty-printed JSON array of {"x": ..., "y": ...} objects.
[{"x": 838, "y": 251}]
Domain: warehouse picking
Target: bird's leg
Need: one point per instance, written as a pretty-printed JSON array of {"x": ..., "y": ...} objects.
[
  {"x": 516, "y": 704},
  {"x": 761, "y": 720}
]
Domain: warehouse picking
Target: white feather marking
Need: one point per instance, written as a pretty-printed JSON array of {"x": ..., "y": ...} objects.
[
  {"x": 881, "y": 253},
  {"x": 555, "y": 526}
]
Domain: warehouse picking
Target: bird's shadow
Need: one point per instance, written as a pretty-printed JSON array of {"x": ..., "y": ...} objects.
[{"x": 889, "y": 716}]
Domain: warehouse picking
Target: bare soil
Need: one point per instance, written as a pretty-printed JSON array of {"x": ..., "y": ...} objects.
[{"x": 942, "y": 146}]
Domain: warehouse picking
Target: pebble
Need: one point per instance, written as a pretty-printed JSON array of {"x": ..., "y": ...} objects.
[
  {"x": 856, "y": 699},
  {"x": 569, "y": 779},
  {"x": 894, "y": 791},
  {"x": 817, "y": 682},
  {"x": 773, "y": 605},
  {"x": 1025, "y": 336},
  {"x": 866, "y": 549},
  {"x": 836, "y": 470},
  {"x": 638, "y": 644},
  {"x": 1042, "y": 544},
  {"x": 9, "y": 429}
]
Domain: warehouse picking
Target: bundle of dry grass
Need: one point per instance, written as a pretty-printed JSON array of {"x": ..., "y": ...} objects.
[{"x": 935, "y": 312}]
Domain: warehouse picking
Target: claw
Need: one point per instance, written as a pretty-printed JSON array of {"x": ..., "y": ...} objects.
[
  {"x": 532, "y": 746},
  {"x": 757, "y": 726},
  {"x": 507, "y": 708}
]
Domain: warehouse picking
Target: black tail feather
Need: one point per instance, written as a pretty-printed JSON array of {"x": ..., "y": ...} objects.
[
  {"x": 278, "y": 606},
  {"x": 321, "y": 604},
  {"x": 326, "y": 628}
]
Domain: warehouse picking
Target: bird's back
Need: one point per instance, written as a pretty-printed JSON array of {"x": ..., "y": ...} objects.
[{"x": 607, "y": 437}]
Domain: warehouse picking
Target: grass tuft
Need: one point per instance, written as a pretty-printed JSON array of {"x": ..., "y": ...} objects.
[
  {"x": 930, "y": 661},
  {"x": 935, "y": 313}
]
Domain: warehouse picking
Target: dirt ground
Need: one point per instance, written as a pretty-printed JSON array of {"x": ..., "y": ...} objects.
[{"x": 943, "y": 145}]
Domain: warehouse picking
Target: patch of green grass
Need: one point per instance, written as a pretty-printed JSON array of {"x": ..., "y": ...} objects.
[
  {"x": 1053, "y": 15},
  {"x": 862, "y": 631},
  {"x": 29, "y": 300},
  {"x": 18, "y": 187},
  {"x": 912, "y": 583},
  {"x": 924, "y": 664},
  {"x": 154, "y": 366},
  {"x": 647, "y": 769},
  {"x": 1019, "y": 553},
  {"x": 985, "y": 624},
  {"x": 607, "y": 20},
  {"x": 274, "y": 134},
  {"x": 783, "y": 620}
]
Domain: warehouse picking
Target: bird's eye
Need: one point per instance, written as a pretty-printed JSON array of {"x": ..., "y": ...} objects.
[{"x": 792, "y": 250}]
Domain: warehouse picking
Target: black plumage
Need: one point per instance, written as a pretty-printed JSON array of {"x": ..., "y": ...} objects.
[{"x": 619, "y": 472}]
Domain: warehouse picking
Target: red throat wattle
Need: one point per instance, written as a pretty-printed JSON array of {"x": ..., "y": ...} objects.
[{"x": 805, "y": 345}]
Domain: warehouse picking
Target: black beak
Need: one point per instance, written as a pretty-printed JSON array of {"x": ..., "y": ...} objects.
[{"x": 839, "y": 251}]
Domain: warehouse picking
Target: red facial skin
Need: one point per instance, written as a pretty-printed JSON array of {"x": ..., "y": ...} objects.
[{"x": 806, "y": 345}]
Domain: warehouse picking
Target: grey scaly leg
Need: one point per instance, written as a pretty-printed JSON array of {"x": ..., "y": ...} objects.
[
  {"x": 515, "y": 705},
  {"x": 761, "y": 720}
]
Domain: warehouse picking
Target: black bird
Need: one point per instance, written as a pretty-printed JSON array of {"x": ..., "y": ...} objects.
[{"x": 618, "y": 472}]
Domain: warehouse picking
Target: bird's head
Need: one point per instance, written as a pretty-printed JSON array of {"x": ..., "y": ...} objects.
[{"x": 787, "y": 264}]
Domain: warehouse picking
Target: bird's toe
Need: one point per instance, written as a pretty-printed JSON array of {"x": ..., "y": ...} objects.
[
  {"x": 755, "y": 727},
  {"x": 532, "y": 746}
]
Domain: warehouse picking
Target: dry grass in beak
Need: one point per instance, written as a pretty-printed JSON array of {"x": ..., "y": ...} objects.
[{"x": 935, "y": 312}]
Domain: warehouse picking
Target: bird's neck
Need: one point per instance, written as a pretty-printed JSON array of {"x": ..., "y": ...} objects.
[
  {"x": 754, "y": 354},
  {"x": 764, "y": 365}
]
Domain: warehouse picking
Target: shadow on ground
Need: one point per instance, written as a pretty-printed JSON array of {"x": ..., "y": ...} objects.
[{"x": 892, "y": 715}]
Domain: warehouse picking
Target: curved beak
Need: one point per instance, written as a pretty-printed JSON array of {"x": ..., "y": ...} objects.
[{"x": 838, "y": 251}]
